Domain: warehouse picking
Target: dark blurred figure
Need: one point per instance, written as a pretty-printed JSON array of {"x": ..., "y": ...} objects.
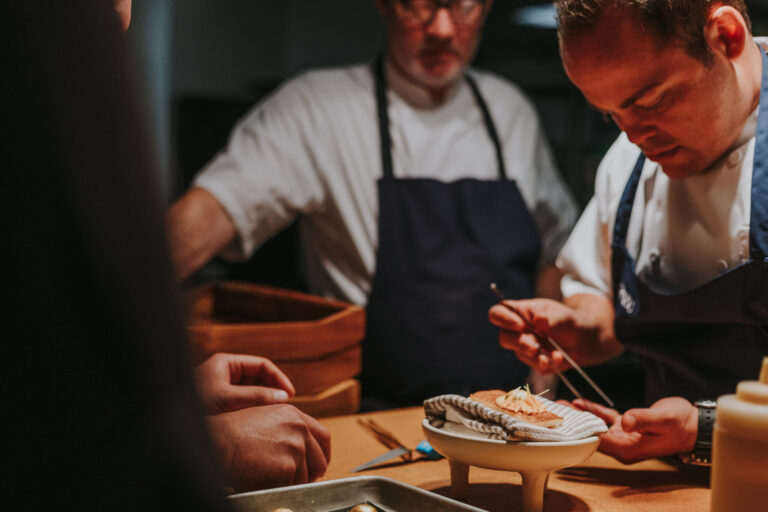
[{"x": 99, "y": 396}]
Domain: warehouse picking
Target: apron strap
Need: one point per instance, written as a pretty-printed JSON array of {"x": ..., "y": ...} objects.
[
  {"x": 386, "y": 139},
  {"x": 624, "y": 213},
  {"x": 489, "y": 125},
  {"x": 381, "y": 107},
  {"x": 758, "y": 224}
]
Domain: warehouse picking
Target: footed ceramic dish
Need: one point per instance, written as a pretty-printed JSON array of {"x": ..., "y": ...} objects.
[{"x": 532, "y": 459}]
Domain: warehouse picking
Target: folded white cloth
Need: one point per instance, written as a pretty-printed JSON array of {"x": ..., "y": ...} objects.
[{"x": 459, "y": 414}]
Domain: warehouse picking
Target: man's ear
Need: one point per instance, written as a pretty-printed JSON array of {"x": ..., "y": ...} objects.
[{"x": 726, "y": 31}]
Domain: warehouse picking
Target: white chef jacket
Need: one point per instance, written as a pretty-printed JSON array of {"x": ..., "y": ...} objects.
[
  {"x": 682, "y": 233},
  {"x": 312, "y": 149}
]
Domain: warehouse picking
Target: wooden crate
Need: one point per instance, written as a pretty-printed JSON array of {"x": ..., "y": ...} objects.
[
  {"x": 342, "y": 398},
  {"x": 315, "y": 341}
]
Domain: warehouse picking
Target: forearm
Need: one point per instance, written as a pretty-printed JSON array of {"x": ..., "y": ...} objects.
[
  {"x": 198, "y": 229},
  {"x": 548, "y": 283},
  {"x": 595, "y": 316}
]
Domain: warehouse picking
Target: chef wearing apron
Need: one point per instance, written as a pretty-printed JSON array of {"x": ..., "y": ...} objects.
[
  {"x": 700, "y": 342},
  {"x": 416, "y": 183},
  {"x": 670, "y": 257},
  {"x": 440, "y": 245}
]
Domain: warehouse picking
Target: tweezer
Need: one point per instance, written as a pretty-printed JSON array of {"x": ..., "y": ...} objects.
[{"x": 557, "y": 347}]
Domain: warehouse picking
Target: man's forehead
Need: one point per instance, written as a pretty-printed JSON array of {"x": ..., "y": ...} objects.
[
  {"x": 616, "y": 75},
  {"x": 616, "y": 43}
]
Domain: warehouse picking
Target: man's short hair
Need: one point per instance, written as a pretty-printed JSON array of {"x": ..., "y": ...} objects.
[{"x": 679, "y": 21}]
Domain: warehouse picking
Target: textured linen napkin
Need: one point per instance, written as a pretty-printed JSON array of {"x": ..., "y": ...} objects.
[{"x": 455, "y": 413}]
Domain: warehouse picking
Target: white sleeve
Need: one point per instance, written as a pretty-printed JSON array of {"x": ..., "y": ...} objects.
[
  {"x": 555, "y": 210},
  {"x": 267, "y": 175},
  {"x": 586, "y": 258}
]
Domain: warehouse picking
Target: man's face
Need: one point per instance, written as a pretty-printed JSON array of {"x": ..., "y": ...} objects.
[
  {"x": 673, "y": 106},
  {"x": 434, "y": 53}
]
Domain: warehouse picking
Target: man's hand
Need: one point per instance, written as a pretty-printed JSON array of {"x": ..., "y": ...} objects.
[
  {"x": 668, "y": 427},
  {"x": 549, "y": 317},
  {"x": 228, "y": 382},
  {"x": 270, "y": 446},
  {"x": 583, "y": 327}
]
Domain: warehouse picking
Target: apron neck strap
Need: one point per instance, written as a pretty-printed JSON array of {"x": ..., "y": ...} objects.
[
  {"x": 489, "y": 125},
  {"x": 383, "y": 115},
  {"x": 758, "y": 224},
  {"x": 381, "y": 107},
  {"x": 624, "y": 213}
]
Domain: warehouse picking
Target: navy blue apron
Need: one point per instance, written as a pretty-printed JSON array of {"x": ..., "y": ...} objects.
[
  {"x": 440, "y": 246},
  {"x": 701, "y": 343}
]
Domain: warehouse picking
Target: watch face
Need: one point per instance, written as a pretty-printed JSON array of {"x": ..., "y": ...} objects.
[{"x": 709, "y": 404}]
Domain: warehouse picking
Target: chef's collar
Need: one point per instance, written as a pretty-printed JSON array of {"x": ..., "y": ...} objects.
[
  {"x": 748, "y": 132},
  {"x": 413, "y": 94}
]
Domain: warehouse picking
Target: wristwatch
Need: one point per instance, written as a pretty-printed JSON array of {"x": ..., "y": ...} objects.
[{"x": 702, "y": 449}]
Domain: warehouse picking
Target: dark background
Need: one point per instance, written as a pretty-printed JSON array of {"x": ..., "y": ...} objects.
[{"x": 206, "y": 62}]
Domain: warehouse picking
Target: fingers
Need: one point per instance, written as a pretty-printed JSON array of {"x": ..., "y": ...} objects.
[
  {"x": 627, "y": 447},
  {"x": 670, "y": 415},
  {"x": 630, "y": 447},
  {"x": 316, "y": 460},
  {"x": 240, "y": 397},
  {"x": 647, "y": 421},
  {"x": 663, "y": 429},
  {"x": 318, "y": 449},
  {"x": 529, "y": 351},
  {"x": 517, "y": 334},
  {"x": 548, "y": 361},
  {"x": 608, "y": 415},
  {"x": 261, "y": 371},
  {"x": 525, "y": 345},
  {"x": 301, "y": 475},
  {"x": 567, "y": 404},
  {"x": 506, "y": 319},
  {"x": 320, "y": 433}
]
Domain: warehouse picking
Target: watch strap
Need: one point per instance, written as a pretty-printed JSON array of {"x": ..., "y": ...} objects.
[{"x": 702, "y": 450}]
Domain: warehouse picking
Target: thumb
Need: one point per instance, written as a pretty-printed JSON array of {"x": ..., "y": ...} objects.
[
  {"x": 644, "y": 421},
  {"x": 241, "y": 397}
]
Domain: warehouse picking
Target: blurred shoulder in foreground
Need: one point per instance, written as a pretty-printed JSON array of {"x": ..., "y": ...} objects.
[{"x": 98, "y": 390}]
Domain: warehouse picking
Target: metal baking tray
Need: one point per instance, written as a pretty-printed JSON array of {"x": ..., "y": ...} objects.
[{"x": 385, "y": 494}]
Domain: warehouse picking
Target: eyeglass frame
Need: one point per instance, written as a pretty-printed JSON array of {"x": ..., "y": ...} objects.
[{"x": 445, "y": 4}]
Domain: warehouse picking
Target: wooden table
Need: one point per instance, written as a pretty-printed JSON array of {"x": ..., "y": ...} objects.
[{"x": 599, "y": 484}]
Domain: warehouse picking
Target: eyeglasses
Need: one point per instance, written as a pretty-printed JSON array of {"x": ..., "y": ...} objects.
[{"x": 422, "y": 12}]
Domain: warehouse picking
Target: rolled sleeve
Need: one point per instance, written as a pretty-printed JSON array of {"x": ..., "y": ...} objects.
[
  {"x": 555, "y": 211},
  {"x": 584, "y": 258},
  {"x": 266, "y": 176}
]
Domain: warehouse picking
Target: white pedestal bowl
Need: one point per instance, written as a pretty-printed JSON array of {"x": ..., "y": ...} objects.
[{"x": 533, "y": 460}]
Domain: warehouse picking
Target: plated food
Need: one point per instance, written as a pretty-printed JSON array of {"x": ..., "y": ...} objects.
[{"x": 519, "y": 403}]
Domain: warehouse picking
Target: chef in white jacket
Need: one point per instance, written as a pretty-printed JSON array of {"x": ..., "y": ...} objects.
[
  {"x": 417, "y": 182},
  {"x": 670, "y": 258}
]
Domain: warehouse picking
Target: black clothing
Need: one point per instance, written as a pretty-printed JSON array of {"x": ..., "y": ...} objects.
[{"x": 99, "y": 395}]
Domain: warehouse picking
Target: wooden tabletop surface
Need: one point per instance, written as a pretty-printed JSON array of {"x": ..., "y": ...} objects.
[{"x": 599, "y": 484}]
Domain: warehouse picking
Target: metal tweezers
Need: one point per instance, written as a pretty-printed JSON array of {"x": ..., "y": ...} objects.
[{"x": 555, "y": 345}]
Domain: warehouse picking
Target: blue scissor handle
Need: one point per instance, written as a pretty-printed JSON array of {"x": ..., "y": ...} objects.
[{"x": 426, "y": 449}]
